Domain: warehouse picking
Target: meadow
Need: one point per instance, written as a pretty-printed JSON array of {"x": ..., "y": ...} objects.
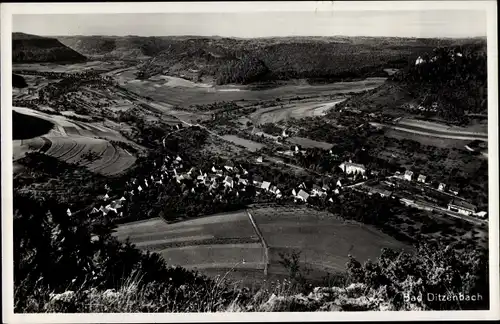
[{"x": 323, "y": 240}]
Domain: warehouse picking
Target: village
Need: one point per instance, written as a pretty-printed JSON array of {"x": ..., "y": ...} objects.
[{"x": 231, "y": 179}]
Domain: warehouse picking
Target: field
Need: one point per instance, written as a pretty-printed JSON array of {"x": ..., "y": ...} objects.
[
  {"x": 479, "y": 130},
  {"x": 185, "y": 93},
  {"x": 219, "y": 244},
  {"x": 427, "y": 140},
  {"x": 248, "y": 144},
  {"x": 323, "y": 240},
  {"x": 309, "y": 143},
  {"x": 287, "y": 111},
  {"x": 215, "y": 244},
  {"x": 85, "y": 144}
]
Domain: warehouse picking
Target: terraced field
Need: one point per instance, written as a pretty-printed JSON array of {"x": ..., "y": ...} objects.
[{"x": 73, "y": 141}]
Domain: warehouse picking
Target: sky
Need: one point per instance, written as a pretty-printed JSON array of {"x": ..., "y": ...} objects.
[{"x": 421, "y": 23}]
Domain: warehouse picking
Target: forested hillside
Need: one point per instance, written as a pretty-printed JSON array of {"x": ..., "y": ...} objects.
[
  {"x": 31, "y": 48},
  {"x": 449, "y": 82}
]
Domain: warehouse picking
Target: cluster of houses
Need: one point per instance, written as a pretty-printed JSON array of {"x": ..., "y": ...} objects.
[
  {"x": 410, "y": 176},
  {"x": 456, "y": 205},
  {"x": 228, "y": 178},
  {"x": 234, "y": 178}
]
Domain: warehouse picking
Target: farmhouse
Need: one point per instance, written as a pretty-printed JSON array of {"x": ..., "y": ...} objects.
[
  {"x": 442, "y": 186},
  {"x": 421, "y": 178},
  {"x": 228, "y": 182},
  {"x": 461, "y": 207},
  {"x": 266, "y": 185},
  {"x": 243, "y": 182},
  {"x": 302, "y": 195},
  {"x": 454, "y": 190},
  {"x": 408, "y": 175},
  {"x": 350, "y": 168}
]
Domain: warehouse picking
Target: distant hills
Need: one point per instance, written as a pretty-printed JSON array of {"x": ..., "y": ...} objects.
[
  {"x": 28, "y": 48},
  {"x": 223, "y": 60},
  {"x": 230, "y": 60}
]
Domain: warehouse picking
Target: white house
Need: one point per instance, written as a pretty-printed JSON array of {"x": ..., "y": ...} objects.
[
  {"x": 139, "y": 188},
  {"x": 349, "y": 168},
  {"x": 178, "y": 158},
  {"x": 302, "y": 195},
  {"x": 260, "y": 159},
  {"x": 442, "y": 186},
  {"x": 106, "y": 197},
  {"x": 266, "y": 185},
  {"x": 421, "y": 178},
  {"x": 68, "y": 212},
  {"x": 243, "y": 181},
  {"x": 408, "y": 175}
]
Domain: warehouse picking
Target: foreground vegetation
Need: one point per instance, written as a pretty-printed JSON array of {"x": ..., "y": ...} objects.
[{"x": 92, "y": 272}]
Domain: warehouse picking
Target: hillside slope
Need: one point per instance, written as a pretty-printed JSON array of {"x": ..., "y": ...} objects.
[
  {"x": 447, "y": 82},
  {"x": 31, "y": 48}
]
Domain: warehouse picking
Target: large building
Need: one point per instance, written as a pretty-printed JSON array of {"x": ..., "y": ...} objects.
[
  {"x": 350, "y": 168},
  {"x": 462, "y": 207}
]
